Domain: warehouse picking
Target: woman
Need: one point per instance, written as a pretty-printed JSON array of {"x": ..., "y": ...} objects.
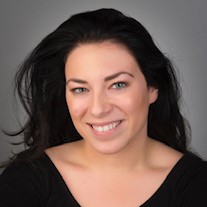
[{"x": 104, "y": 126}]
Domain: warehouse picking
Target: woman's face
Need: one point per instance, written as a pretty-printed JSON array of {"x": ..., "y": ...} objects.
[{"x": 107, "y": 96}]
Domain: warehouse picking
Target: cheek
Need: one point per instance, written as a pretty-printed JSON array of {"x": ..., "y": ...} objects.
[
  {"x": 136, "y": 103},
  {"x": 76, "y": 108}
]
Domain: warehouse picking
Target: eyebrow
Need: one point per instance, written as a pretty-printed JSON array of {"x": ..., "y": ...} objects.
[
  {"x": 111, "y": 77},
  {"x": 108, "y": 78}
]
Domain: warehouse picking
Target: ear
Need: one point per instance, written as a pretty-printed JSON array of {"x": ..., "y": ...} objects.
[{"x": 153, "y": 94}]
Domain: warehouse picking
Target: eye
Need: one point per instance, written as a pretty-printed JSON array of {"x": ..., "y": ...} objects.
[
  {"x": 79, "y": 90},
  {"x": 119, "y": 85}
]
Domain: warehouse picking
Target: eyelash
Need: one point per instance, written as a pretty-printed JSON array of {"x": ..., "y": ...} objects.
[
  {"x": 78, "y": 90},
  {"x": 118, "y": 85},
  {"x": 123, "y": 85}
]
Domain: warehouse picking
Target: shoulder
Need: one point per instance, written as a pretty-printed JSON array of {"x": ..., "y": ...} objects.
[
  {"x": 164, "y": 156},
  {"x": 192, "y": 166},
  {"x": 192, "y": 175},
  {"x": 24, "y": 182},
  {"x": 24, "y": 169},
  {"x": 195, "y": 169},
  {"x": 69, "y": 153}
]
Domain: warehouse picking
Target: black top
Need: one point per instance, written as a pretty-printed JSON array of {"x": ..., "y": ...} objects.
[{"x": 40, "y": 185}]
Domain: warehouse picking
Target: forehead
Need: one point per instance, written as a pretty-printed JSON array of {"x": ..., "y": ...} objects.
[
  {"x": 93, "y": 62},
  {"x": 102, "y": 53}
]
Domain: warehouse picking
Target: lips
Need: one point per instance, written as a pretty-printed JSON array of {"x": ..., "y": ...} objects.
[{"x": 105, "y": 128}]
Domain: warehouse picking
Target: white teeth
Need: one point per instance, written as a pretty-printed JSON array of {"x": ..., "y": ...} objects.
[{"x": 106, "y": 127}]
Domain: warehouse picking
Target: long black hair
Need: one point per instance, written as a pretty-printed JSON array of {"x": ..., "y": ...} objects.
[{"x": 40, "y": 81}]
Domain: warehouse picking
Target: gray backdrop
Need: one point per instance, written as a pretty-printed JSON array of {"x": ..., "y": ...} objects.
[{"x": 178, "y": 27}]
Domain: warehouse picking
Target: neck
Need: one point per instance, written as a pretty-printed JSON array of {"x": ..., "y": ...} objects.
[{"x": 134, "y": 155}]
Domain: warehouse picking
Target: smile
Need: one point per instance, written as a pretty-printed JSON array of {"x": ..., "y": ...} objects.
[{"x": 106, "y": 128}]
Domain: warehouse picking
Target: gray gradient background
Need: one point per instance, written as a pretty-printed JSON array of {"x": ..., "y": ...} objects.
[{"x": 179, "y": 28}]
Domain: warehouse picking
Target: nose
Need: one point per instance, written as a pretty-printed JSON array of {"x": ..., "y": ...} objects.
[{"x": 100, "y": 105}]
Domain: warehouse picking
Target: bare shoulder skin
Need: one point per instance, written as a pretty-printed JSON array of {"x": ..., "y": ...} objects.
[{"x": 112, "y": 185}]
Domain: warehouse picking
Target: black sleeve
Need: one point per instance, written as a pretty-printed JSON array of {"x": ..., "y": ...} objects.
[
  {"x": 195, "y": 192},
  {"x": 22, "y": 186}
]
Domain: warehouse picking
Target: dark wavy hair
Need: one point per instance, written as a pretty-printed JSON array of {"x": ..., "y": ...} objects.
[{"x": 40, "y": 82}]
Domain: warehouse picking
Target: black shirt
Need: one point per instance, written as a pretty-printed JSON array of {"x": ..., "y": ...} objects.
[{"x": 40, "y": 184}]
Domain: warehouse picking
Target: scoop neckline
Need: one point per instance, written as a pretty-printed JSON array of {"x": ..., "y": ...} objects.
[{"x": 150, "y": 199}]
